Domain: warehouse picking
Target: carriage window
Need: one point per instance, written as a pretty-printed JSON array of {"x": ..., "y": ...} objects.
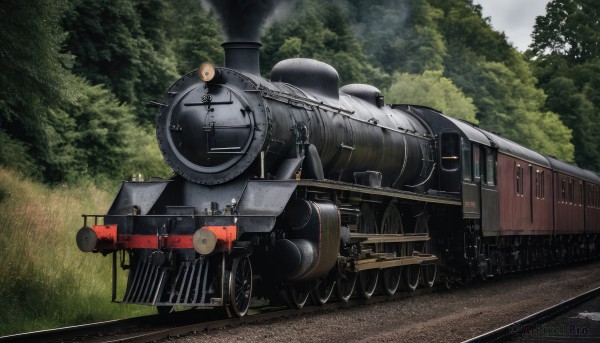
[
  {"x": 519, "y": 179},
  {"x": 450, "y": 143},
  {"x": 466, "y": 160},
  {"x": 563, "y": 190},
  {"x": 490, "y": 164},
  {"x": 542, "y": 185},
  {"x": 571, "y": 194},
  {"x": 539, "y": 185},
  {"x": 580, "y": 193},
  {"x": 476, "y": 163}
]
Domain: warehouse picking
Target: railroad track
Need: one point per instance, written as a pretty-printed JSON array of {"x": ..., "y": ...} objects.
[
  {"x": 181, "y": 323},
  {"x": 158, "y": 327},
  {"x": 513, "y": 330}
]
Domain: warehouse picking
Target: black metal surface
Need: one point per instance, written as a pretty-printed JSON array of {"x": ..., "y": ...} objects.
[
  {"x": 312, "y": 75},
  {"x": 213, "y": 132},
  {"x": 242, "y": 56},
  {"x": 86, "y": 239},
  {"x": 187, "y": 285},
  {"x": 447, "y": 199},
  {"x": 266, "y": 198},
  {"x": 141, "y": 195},
  {"x": 511, "y": 148},
  {"x": 311, "y": 246},
  {"x": 367, "y": 93},
  {"x": 490, "y": 211}
]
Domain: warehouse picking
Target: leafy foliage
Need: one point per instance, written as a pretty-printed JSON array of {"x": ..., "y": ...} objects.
[
  {"x": 565, "y": 55},
  {"x": 399, "y": 36},
  {"x": 34, "y": 77},
  {"x": 570, "y": 28},
  {"x": 98, "y": 136},
  {"x": 441, "y": 53},
  {"x": 433, "y": 90},
  {"x": 499, "y": 81},
  {"x": 14, "y": 153},
  {"x": 194, "y": 36},
  {"x": 452, "y": 38},
  {"x": 122, "y": 44}
]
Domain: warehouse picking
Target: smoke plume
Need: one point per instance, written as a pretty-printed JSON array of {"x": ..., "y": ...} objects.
[{"x": 243, "y": 19}]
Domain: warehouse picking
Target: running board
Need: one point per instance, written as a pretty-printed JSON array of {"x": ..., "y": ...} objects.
[
  {"x": 379, "y": 263},
  {"x": 368, "y": 238}
]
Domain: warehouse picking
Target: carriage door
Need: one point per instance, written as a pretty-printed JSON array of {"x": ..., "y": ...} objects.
[{"x": 490, "y": 218}]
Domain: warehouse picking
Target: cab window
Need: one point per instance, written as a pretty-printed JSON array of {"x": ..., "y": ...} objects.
[{"x": 450, "y": 143}]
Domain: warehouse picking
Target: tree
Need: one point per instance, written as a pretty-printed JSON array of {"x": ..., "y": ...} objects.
[
  {"x": 491, "y": 72},
  {"x": 122, "y": 45},
  {"x": 34, "y": 74},
  {"x": 565, "y": 55},
  {"x": 399, "y": 36},
  {"x": 433, "y": 90},
  {"x": 570, "y": 28},
  {"x": 96, "y": 135},
  {"x": 194, "y": 35}
]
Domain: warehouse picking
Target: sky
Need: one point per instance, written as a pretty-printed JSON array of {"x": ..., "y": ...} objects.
[{"x": 514, "y": 17}]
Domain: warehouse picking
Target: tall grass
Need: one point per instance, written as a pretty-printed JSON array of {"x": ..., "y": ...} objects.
[{"x": 45, "y": 281}]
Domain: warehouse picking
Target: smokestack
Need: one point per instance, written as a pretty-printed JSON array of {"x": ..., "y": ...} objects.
[{"x": 242, "y": 56}]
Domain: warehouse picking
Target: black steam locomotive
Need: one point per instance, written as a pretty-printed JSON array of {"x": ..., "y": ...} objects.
[{"x": 294, "y": 187}]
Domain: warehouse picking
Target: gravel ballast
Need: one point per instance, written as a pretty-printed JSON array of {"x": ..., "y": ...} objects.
[{"x": 448, "y": 316}]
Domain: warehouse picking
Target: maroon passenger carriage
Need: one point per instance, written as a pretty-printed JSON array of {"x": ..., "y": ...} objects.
[{"x": 519, "y": 209}]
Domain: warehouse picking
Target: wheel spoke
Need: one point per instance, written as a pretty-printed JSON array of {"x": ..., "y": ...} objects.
[
  {"x": 323, "y": 292},
  {"x": 410, "y": 277},
  {"x": 367, "y": 282},
  {"x": 428, "y": 275},
  {"x": 240, "y": 288},
  {"x": 344, "y": 286},
  {"x": 297, "y": 295},
  {"x": 391, "y": 280}
]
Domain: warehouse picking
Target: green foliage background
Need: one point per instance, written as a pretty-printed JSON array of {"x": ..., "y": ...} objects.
[
  {"x": 76, "y": 77},
  {"x": 78, "y": 74}
]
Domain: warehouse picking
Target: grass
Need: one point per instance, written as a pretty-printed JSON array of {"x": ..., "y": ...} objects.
[{"x": 45, "y": 281}]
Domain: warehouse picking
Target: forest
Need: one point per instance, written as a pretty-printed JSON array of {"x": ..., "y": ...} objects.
[{"x": 77, "y": 75}]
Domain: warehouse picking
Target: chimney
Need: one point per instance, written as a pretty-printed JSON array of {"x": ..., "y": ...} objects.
[{"x": 242, "y": 56}]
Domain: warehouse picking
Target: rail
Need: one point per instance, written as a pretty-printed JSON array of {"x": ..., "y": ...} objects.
[{"x": 507, "y": 331}]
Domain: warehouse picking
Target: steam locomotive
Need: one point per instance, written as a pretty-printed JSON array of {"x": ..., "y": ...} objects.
[{"x": 293, "y": 188}]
